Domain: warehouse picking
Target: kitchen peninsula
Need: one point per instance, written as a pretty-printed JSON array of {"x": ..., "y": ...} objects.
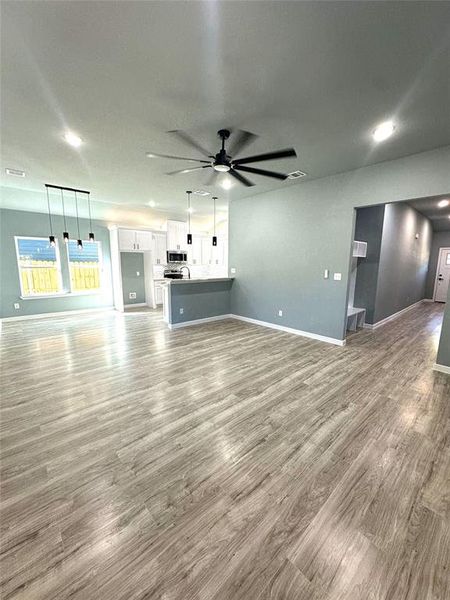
[{"x": 191, "y": 301}]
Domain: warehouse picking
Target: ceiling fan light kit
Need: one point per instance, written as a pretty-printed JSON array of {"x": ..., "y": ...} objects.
[{"x": 223, "y": 161}]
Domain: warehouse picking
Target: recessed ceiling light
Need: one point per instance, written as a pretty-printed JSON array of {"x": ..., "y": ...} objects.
[
  {"x": 152, "y": 203},
  {"x": 443, "y": 203},
  {"x": 15, "y": 172},
  {"x": 73, "y": 139},
  {"x": 226, "y": 184},
  {"x": 201, "y": 193},
  {"x": 383, "y": 131}
]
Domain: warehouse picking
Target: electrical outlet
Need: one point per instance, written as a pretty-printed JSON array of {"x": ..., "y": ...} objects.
[
  {"x": 137, "y": 273},
  {"x": 132, "y": 295},
  {"x": 337, "y": 276},
  {"x": 233, "y": 270},
  {"x": 280, "y": 313},
  {"x": 16, "y": 305},
  {"x": 181, "y": 311}
]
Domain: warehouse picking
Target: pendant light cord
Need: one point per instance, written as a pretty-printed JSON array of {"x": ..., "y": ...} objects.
[
  {"x": 49, "y": 213},
  {"x": 214, "y": 214},
  {"x": 89, "y": 205},
  {"x": 189, "y": 212},
  {"x": 64, "y": 212},
  {"x": 78, "y": 220}
]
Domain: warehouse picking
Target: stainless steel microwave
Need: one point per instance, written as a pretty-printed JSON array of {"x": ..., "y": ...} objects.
[{"x": 176, "y": 256}]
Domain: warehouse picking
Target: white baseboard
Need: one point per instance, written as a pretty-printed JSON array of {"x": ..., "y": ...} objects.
[
  {"x": 308, "y": 334},
  {"x": 197, "y": 321},
  {"x": 61, "y": 313},
  {"x": 428, "y": 300},
  {"x": 136, "y": 305},
  {"x": 391, "y": 317},
  {"x": 441, "y": 368}
]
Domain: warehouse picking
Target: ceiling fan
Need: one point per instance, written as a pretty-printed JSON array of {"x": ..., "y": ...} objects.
[{"x": 223, "y": 161}]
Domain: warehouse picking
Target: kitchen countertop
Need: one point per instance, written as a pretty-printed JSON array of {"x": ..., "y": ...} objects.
[{"x": 204, "y": 280}]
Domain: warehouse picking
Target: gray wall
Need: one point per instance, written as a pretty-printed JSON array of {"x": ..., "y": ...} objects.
[
  {"x": 199, "y": 300},
  {"x": 368, "y": 228},
  {"x": 282, "y": 240},
  {"x": 441, "y": 239},
  {"x": 131, "y": 264},
  {"x": 403, "y": 260},
  {"x": 443, "y": 356},
  {"x": 13, "y": 222}
]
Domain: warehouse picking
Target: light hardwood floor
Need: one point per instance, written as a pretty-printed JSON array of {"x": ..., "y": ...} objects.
[{"x": 222, "y": 462}]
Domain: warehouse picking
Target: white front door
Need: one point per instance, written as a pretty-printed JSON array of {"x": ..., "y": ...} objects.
[{"x": 442, "y": 275}]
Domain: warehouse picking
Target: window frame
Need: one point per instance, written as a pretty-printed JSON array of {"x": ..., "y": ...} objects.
[
  {"x": 58, "y": 268},
  {"x": 98, "y": 290}
]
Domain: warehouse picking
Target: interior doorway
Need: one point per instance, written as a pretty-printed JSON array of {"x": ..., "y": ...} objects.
[{"x": 442, "y": 276}]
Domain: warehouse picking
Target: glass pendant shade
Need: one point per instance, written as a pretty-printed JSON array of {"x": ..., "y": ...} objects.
[
  {"x": 52, "y": 241},
  {"x": 214, "y": 240},
  {"x": 66, "y": 236},
  {"x": 80, "y": 244},
  {"x": 91, "y": 237},
  {"x": 189, "y": 238}
]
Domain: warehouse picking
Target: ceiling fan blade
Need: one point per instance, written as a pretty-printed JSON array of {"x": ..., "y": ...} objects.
[
  {"x": 273, "y": 174},
  {"x": 241, "y": 140},
  {"x": 240, "y": 178},
  {"x": 188, "y": 170},
  {"x": 268, "y": 156},
  {"x": 186, "y": 138},
  {"x": 156, "y": 155}
]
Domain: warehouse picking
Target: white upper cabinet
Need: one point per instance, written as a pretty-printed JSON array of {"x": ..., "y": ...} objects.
[
  {"x": 159, "y": 249},
  {"x": 127, "y": 239},
  {"x": 177, "y": 235},
  {"x": 144, "y": 240},
  {"x": 207, "y": 253},
  {"x": 195, "y": 251}
]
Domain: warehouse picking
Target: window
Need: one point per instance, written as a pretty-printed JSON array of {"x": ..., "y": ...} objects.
[
  {"x": 84, "y": 266},
  {"x": 39, "y": 267}
]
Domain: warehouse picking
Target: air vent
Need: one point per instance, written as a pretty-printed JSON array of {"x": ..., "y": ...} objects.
[
  {"x": 201, "y": 193},
  {"x": 296, "y": 175},
  {"x": 15, "y": 172}
]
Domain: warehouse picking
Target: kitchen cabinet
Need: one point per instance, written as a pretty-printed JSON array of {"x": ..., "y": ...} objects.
[
  {"x": 207, "y": 250},
  {"x": 177, "y": 235},
  {"x": 158, "y": 293},
  {"x": 195, "y": 251},
  {"x": 159, "y": 248},
  {"x": 131, "y": 240}
]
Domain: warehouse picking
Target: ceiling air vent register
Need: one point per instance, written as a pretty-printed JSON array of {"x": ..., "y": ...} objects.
[{"x": 296, "y": 175}]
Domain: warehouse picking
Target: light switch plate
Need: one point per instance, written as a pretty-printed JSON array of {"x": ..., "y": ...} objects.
[
  {"x": 137, "y": 273},
  {"x": 326, "y": 273},
  {"x": 181, "y": 311},
  {"x": 280, "y": 313},
  {"x": 233, "y": 270},
  {"x": 337, "y": 276}
]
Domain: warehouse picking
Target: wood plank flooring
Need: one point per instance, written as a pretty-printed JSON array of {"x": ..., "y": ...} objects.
[{"x": 223, "y": 462}]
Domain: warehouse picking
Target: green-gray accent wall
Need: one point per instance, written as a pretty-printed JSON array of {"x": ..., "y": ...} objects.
[
  {"x": 131, "y": 264},
  {"x": 443, "y": 355},
  {"x": 394, "y": 273},
  {"x": 21, "y": 223},
  {"x": 281, "y": 241},
  {"x": 199, "y": 300}
]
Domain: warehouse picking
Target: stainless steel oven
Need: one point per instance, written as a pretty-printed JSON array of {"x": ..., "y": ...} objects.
[{"x": 176, "y": 256}]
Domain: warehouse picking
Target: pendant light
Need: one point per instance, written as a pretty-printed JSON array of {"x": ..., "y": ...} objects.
[
  {"x": 79, "y": 241},
  {"x": 51, "y": 237},
  {"x": 189, "y": 235},
  {"x": 214, "y": 238},
  {"x": 65, "y": 232},
  {"x": 91, "y": 235}
]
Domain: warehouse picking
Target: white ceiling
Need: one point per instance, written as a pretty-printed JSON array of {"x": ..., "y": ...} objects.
[
  {"x": 314, "y": 75},
  {"x": 438, "y": 215}
]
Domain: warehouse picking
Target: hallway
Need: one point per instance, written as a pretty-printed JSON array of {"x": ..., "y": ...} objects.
[{"x": 224, "y": 461}]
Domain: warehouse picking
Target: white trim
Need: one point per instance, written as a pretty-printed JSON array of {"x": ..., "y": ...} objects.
[
  {"x": 441, "y": 368},
  {"x": 61, "y": 313},
  {"x": 198, "y": 321},
  {"x": 391, "y": 317},
  {"x": 428, "y": 300},
  {"x": 137, "y": 304},
  {"x": 308, "y": 334}
]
